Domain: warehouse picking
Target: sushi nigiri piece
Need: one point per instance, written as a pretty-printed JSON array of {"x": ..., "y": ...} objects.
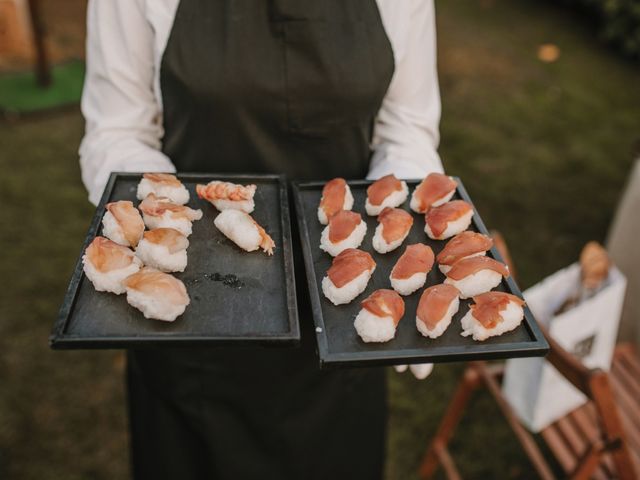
[
  {"x": 438, "y": 304},
  {"x": 164, "y": 249},
  {"x": 108, "y": 264},
  {"x": 476, "y": 275},
  {"x": 388, "y": 191},
  {"x": 464, "y": 245},
  {"x": 228, "y": 196},
  {"x": 493, "y": 313},
  {"x": 244, "y": 231},
  {"x": 346, "y": 229},
  {"x": 410, "y": 271},
  {"x": 348, "y": 276},
  {"x": 448, "y": 220},
  {"x": 393, "y": 228},
  {"x": 435, "y": 190},
  {"x": 379, "y": 317},
  {"x": 160, "y": 212},
  {"x": 163, "y": 185},
  {"x": 157, "y": 295},
  {"x": 122, "y": 223},
  {"x": 336, "y": 196}
]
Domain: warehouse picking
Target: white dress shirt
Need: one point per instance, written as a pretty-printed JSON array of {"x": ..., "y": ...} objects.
[{"x": 122, "y": 100}]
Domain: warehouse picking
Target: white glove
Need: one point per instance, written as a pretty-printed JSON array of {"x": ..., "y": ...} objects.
[{"x": 419, "y": 370}]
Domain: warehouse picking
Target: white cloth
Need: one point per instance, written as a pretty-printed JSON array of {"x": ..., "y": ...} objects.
[{"x": 122, "y": 101}]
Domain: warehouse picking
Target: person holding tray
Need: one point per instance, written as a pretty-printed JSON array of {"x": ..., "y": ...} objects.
[{"x": 314, "y": 90}]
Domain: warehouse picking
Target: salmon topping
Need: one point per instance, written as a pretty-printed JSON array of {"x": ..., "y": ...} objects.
[
  {"x": 438, "y": 218},
  {"x": 488, "y": 306},
  {"x": 385, "y": 303},
  {"x": 417, "y": 258},
  {"x": 472, "y": 265},
  {"x": 158, "y": 206},
  {"x": 433, "y": 188},
  {"x": 129, "y": 219},
  {"x": 165, "y": 178},
  {"x": 342, "y": 224},
  {"x": 382, "y": 188},
  {"x": 463, "y": 245},
  {"x": 106, "y": 255},
  {"x": 349, "y": 264},
  {"x": 225, "y": 191},
  {"x": 395, "y": 223},
  {"x": 169, "y": 237},
  {"x": 158, "y": 284},
  {"x": 333, "y": 195},
  {"x": 434, "y": 303}
]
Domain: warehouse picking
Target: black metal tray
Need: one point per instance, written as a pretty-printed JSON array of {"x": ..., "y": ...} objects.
[
  {"x": 338, "y": 342},
  {"x": 236, "y": 297}
]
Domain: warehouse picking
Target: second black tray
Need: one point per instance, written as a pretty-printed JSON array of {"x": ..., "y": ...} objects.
[{"x": 338, "y": 342}]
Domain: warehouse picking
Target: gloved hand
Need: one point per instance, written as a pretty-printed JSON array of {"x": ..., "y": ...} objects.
[{"x": 419, "y": 370}]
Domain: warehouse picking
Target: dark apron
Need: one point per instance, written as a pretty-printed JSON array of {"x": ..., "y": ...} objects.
[{"x": 279, "y": 86}]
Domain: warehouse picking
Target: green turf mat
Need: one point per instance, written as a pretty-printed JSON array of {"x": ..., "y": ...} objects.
[{"x": 20, "y": 93}]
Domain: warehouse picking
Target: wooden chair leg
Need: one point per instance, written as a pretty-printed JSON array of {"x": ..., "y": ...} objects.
[{"x": 437, "y": 450}]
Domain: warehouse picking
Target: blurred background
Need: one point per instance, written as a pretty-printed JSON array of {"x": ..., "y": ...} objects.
[{"x": 541, "y": 119}]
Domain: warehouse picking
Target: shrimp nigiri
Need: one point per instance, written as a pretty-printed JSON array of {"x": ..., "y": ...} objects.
[
  {"x": 244, "y": 231},
  {"x": 107, "y": 264},
  {"x": 228, "y": 196}
]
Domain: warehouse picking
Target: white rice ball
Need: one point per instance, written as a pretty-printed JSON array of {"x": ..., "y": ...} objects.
[
  {"x": 238, "y": 227},
  {"x": 445, "y": 268},
  {"x": 372, "y": 328},
  {"x": 179, "y": 195},
  {"x": 112, "y": 281},
  {"x": 480, "y": 282},
  {"x": 380, "y": 245},
  {"x": 415, "y": 202},
  {"x": 406, "y": 286},
  {"x": 346, "y": 205},
  {"x": 352, "y": 241},
  {"x": 183, "y": 225},
  {"x": 346, "y": 293},
  {"x": 154, "y": 307},
  {"x": 512, "y": 316},
  {"x": 246, "y": 206},
  {"x": 453, "y": 228},
  {"x": 394, "y": 199},
  {"x": 442, "y": 325},
  {"x": 112, "y": 230},
  {"x": 159, "y": 257}
]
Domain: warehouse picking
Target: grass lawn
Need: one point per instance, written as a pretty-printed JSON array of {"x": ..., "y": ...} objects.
[{"x": 544, "y": 149}]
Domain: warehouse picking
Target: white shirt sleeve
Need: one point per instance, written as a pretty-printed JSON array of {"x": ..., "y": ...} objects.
[
  {"x": 123, "y": 117},
  {"x": 406, "y": 135}
]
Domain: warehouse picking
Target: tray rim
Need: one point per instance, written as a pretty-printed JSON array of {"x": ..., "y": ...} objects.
[
  {"x": 538, "y": 347},
  {"x": 59, "y": 339}
]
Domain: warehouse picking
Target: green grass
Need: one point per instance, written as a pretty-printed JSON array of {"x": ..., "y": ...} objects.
[
  {"x": 544, "y": 150},
  {"x": 19, "y": 92}
]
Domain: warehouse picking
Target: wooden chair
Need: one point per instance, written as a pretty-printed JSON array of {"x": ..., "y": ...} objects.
[{"x": 600, "y": 439}]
